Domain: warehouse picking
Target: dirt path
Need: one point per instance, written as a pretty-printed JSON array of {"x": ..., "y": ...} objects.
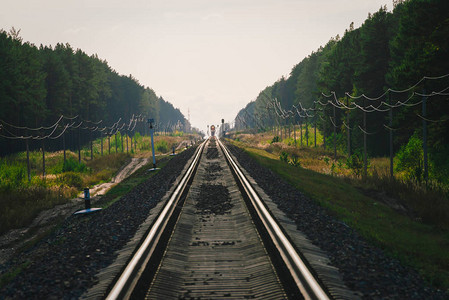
[
  {"x": 16, "y": 238},
  {"x": 101, "y": 189}
]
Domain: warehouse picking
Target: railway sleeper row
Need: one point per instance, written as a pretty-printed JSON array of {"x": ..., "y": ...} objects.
[{"x": 215, "y": 246}]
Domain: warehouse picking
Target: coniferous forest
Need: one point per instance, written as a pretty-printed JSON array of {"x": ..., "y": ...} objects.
[
  {"x": 389, "y": 75},
  {"x": 39, "y": 84}
]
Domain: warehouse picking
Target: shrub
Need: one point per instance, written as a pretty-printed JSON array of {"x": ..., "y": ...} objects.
[
  {"x": 284, "y": 156},
  {"x": 295, "y": 161},
  {"x": 355, "y": 163},
  {"x": 72, "y": 165},
  {"x": 410, "y": 159},
  {"x": 276, "y": 139},
  {"x": 71, "y": 179},
  {"x": 12, "y": 175},
  {"x": 177, "y": 133}
]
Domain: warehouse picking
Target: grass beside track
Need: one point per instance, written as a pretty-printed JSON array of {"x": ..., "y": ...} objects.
[
  {"x": 114, "y": 194},
  {"x": 421, "y": 246},
  {"x": 20, "y": 204},
  {"x": 124, "y": 187},
  {"x": 21, "y": 201}
]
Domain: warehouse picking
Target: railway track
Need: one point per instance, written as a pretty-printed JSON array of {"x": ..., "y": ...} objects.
[{"x": 215, "y": 238}]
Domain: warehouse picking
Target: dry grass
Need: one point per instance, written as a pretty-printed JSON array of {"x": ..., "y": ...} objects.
[
  {"x": 21, "y": 201},
  {"x": 417, "y": 235},
  {"x": 429, "y": 203}
]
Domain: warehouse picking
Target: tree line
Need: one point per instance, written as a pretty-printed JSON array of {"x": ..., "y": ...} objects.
[
  {"x": 39, "y": 84},
  {"x": 392, "y": 58}
]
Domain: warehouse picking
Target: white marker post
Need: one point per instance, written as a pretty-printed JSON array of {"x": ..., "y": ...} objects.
[{"x": 151, "y": 121}]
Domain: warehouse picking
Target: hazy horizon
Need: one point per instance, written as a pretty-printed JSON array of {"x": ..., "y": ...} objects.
[{"x": 211, "y": 58}]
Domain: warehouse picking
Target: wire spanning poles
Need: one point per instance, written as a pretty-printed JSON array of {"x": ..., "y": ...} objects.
[
  {"x": 384, "y": 104},
  {"x": 327, "y": 107},
  {"x": 297, "y": 112},
  {"x": 61, "y": 127}
]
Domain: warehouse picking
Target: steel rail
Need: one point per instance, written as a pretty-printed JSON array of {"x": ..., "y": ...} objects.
[
  {"x": 124, "y": 286},
  {"x": 303, "y": 278}
]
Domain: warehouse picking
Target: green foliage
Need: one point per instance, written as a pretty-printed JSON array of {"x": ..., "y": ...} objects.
[
  {"x": 71, "y": 179},
  {"x": 410, "y": 159},
  {"x": 391, "y": 49},
  {"x": 295, "y": 161},
  {"x": 137, "y": 138},
  {"x": 439, "y": 161},
  {"x": 12, "y": 174},
  {"x": 398, "y": 234},
  {"x": 161, "y": 146},
  {"x": 340, "y": 140},
  {"x": 283, "y": 156},
  {"x": 355, "y": 163},
  {"x": 37, "y": 84},
  {"x": 116, "y": 141},
  {"x": 177, "y": 133},
  {"x": 275, "y": 139},
  {"x": 72, "y": 165}
]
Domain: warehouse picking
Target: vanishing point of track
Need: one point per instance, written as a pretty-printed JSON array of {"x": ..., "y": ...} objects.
[{"x": 215, "y": 238}]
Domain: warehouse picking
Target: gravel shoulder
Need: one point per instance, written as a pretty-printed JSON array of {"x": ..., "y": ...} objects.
[
  {"x": 17, "y": 238},
  {"x": 64, "y": 264},
  {"x": 364, "y": 267}
]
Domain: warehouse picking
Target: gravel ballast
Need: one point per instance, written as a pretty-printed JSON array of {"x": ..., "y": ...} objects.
[
  {"x": 64, "y": 265},
  {"x": 365, "y": 268}
]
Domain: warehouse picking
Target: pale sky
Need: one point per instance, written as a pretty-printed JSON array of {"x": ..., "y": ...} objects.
[{"x": 209, "y": 56}]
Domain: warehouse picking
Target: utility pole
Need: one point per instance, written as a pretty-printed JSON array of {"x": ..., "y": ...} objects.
[
  {"x": 28, "y": 161},
  {"x": 348, "y": 130},
  {"x": 424, "y": 136},
  {"x": 314, "y": 128},
  {"x": 335, "y": 133},
  {"x": 390, "y": 123},
  {"x": 63, "y": 142},
  {"x": 150, "y": 122},
  {"x": 365, "y": 158}
]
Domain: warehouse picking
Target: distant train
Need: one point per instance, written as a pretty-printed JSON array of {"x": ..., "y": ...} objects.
[{"x": 212, "y": 130}]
